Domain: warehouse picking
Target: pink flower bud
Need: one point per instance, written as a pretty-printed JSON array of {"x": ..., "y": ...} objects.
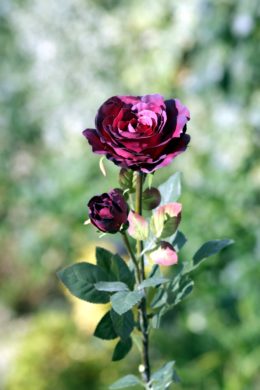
[
  {"x": 138, "y": 226},
  {"x": 164, "y": 254}
]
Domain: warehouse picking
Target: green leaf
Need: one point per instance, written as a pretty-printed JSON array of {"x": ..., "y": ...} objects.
[
  {"x": 121, "y": 271},
  {"x": 210, "y": 248},
  {"x": 115, "y": 267},
  {"x": 111, "y": 286},
  {"x": 156, "y": 320},
  {"x": 155, "y": 271},
  {"x": 171, "y": 189},
  {"x": 169, "y": 226},
  {"x": 126, "y": 381},
  {"x": 80, "y": 280},
  {"x": 152, "y": 282},
  {"x": 163, "y": 378},
  {"x": 103, "y": 257},
  {"x": 124, "y": 301},
  {"x": 127, "y": 180},
  {"x": 121, "y": 349},
  {"x": 159, "y": 299},
  {"x": 105, "y": 329},
  {"x": 179, "y": 289},
  {"x": 179, "y": 241},
  {"x": 123, "y": 324},
  {"x": 185, "y": 290}
]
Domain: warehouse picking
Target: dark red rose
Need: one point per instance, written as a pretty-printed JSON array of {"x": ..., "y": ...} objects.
[
  {"x": 109, "y": 211},
  {"x": 142, "y": 133}
]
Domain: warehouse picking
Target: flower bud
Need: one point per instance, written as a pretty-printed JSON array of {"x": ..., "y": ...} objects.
[
  {"x": 164, "y": 254},
  {"x": 138, "y": 226},
  {"x": 166, "y": 219},
  {"x": 151, "y": 198},
  {"x": 109, "y": 211}
]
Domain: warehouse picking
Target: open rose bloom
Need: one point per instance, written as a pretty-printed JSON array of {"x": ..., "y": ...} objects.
[{"x": 142, "y": 133}]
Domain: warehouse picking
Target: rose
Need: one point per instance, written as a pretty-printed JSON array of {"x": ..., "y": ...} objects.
[
  {"x": 142, "y": 133},
  {"x": 109, "y": 211}
]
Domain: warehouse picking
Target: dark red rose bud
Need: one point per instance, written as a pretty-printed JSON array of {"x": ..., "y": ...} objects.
[
  {"x": 151, "y": 198},
  {"x": 109, "y": 211},
  {"x": 141, "y": 133}
]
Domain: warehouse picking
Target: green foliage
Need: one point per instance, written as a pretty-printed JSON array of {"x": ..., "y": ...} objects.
[
  {"x": 121, "y": 271},
  {"x": 163, "y": 378},
  {"x": 169, "y": 227},
  {"x": 122, "y": 348},
  {"x": 159, "y": 299},
  {"x": 210, "y": 248},
  {"x": 127, "y": 180},
  {"x": 124, "y": 301},
  {"x": 179, "y": 241},
  {"x": 123, "y": 324},
  {"x": 153, "y": 281},
  {"x": 113, "y": 325},
  {"x": 126, "y": 381},
  {"x": 81, "y": 278},
  {"x": 103, "y": 258},
  {"x": 170, "y": 190},
  {"x": 115, "y": 267},
  {"x": 105, "y": 328},
  {"x": 111, "y": 286},
  {"x": 184, "y": 289}
]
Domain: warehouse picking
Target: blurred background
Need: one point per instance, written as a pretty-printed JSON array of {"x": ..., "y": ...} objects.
[{"x": 59, "y": 61}]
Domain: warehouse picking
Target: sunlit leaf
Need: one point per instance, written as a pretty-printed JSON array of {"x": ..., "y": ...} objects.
[
  {"x": 80, "y": 280},
  {"x": 124, "y": 301},
  {"x": 171, "y": 189}
]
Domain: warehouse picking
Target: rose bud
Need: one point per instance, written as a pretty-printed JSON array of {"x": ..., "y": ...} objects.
[
  {"x": 141, "y": 133},
  {"x": 166, "y": 219},
  {"x": 151, "y": 198},
  {"x": 138, "y": 226},
  {"x": 164, "y": 254},
  {"x": 109, "y": 211}
]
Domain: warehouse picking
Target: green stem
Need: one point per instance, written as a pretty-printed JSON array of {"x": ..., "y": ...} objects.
[
  {"x": 132, "y": 256},
  {"x": 142, "y": 308}
]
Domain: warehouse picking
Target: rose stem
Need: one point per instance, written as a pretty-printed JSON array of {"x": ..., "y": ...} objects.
[
  {"x": 142, "y": 308},
  {"x": 132, "y": 256}
]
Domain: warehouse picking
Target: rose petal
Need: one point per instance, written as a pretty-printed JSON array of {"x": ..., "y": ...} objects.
[{"x": 143, "y": 133}]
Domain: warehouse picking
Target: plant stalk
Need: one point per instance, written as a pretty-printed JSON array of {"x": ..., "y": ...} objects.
[
  {"x": 132, "y": 256},
  {"x": 142, "y": 308}
]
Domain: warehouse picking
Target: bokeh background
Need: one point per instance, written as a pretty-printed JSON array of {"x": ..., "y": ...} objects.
[{"x": 59, "y": 61}]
